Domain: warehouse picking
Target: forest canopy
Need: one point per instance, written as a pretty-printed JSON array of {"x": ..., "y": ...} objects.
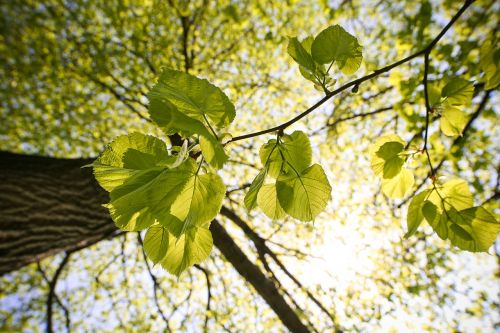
[{"x": 249, "y": 166}]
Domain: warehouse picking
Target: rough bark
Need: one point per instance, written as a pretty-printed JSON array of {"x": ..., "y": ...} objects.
[{"x": 49, "y": 205}]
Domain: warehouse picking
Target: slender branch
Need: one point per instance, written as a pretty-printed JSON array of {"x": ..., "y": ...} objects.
[
  {"x": 354, "y": 116},
  {"x": 457, "y": 141},
  {"x": 58, "y": 300},
  {"x": 428, "y": 112},
  {"x": 358, "y": 81},
  {"x": 52, "y": 291},
  {"x": 156, "y": 285},
  {"x": 209, "y": 295}
]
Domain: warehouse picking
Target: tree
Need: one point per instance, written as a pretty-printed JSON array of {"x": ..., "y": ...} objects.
[{"x": 104, "y": 55}]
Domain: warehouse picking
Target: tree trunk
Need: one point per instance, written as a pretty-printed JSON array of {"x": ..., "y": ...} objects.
[{"x": 49, "y": 205}]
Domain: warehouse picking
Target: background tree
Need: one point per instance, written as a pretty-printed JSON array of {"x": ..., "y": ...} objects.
[{"x": 77, "y": 76}]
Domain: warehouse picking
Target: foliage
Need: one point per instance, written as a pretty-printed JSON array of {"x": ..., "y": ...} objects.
[
  {"x": 183, "y": 199},
  {"x": 81, "y": 75}
]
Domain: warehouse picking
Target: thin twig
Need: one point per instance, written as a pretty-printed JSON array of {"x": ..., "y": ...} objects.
[
  {"x": 206, "y": 272},
  {"x": 52, "y": 291},
  {"x": 156, "y": 285}
]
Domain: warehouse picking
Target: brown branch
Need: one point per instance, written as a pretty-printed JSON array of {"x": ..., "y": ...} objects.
[
  {"x": 455, "y": 142},
  {"x": 58, "y": 300},
  {"x": 52, "y": 291},
  {"x": 357, "y": 82},
  {"x": 206, "y": 272},
  {"x": 260, "y": 243},
  {"x": 156, "y": 285},
  {"x": 256, "y": 278}
]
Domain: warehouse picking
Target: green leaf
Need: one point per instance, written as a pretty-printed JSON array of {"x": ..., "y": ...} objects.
[
  {"x": 126, "y": 156},
  {"x": 271, "y": 158},
  {"x": 156, "y": 243},
  {"x": 434, "y": 93},
  {"x": 489, "y": 61},
  {"x": 267, "y": 199},
  {"x": 392, "y": 162},
  {"x": 453, "y": 121},
  {"x": 307, "y": 43},
  {"x": 296, "y": 150},
  {"x": 336, "y": 44},
  {"x": 474, "y": 229},
  {"x": 147, "y": 196},
  {"x": 292, "y": 153},
  {"x": 128, "y": 206},
  {"x": 196, "y": 98},
  {"x": 300, "y": 54},
  {"x": 455, "y": 193},
  {"x": 415, "y": 216},
  {"x": 213, "y": 152},
  {"x": 199, "y": 201},
  {"x": 458, "y": 92},
  {"x": 251, "y": 196},
  {"x": 399, "y": 185},
  {"x": 128, "y": 167},
  {"x": 386, "y": 161},
  {"x": 450, "y": 213},
  {"x": 191, "y": 248},
  {"x": 171, "y": 120},
  {"x": 305, "y": 195},
  {"x": 436, "y": 220}
]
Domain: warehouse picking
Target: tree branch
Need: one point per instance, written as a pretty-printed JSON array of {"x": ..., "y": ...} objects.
[
  {"x": 156, "y": 285},
  {"x": 52, "y": 291},
  {"x": 357, "y": 82},
  {"x": 206, "y": 272}
]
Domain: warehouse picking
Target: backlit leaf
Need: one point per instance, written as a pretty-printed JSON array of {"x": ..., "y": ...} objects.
[
  {"x": 458, "y": 92},
  {"x": 156, "y": 243},
  {"x": 191, "y": 248},
  {"x": 267, "y": 200},
  {"x": 399, "y": 185},
  {"x": 305, "y": 195},
  {"x": 336, "y": 44}
]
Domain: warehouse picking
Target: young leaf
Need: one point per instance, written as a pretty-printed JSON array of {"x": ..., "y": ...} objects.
[
  {"x": 453, "y": 121},
  {"x": 251, "y": 196},
  {"x": 336, "y": 44},
  {"x": 191, "y": 248},
  {"x": 399, "y": 185},
  {"x": 386, "y": 161},
  {"x": 171, "y": 120},
  {"x": 128, "y": 168},
  {"x": 300, "y": 54},
  {"x": 199, "y": 201},
  {"x": 458, "y": 92},
  {"x": 156, "y": 243},
  {"x": 489, "y": 61},
  {"x": 128, "y": 206},
  {"x": 475, "y": 230},
  {"x": 436, "y": 220},
  {"x": 213, "y": 152},
  {"x": 271, "y": 158},
  {"x": 126, "y": 156},
  {"x": 415, "y": 216},
  {"x": 267, "y": 199},
  {"x": 305, "y": 195},
  {"x": 194, "y": 97},
  {"x": 296, "y": 150},
  {"x": 454, "y": 193}
]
